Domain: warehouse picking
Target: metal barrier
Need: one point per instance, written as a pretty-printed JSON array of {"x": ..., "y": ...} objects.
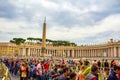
[{"x": 6, "y": 75}]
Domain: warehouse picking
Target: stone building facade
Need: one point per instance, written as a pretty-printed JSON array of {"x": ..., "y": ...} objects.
[
  {"x": 110, "y": 49},
  {"x": 7, "y": 49}
]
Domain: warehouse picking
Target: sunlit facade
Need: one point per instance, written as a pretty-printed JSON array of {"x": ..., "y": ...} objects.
[
  {"x": 7, "y": 49},
  {"x": 110, "y": 49}
]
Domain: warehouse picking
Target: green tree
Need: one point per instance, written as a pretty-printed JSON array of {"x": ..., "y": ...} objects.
[
  {"x": 30, "y": 39},
  {"x": 39, "y": 39},
  {"x": 17, "y": 41}
]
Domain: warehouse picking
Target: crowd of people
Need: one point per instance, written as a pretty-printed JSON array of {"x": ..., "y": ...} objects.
[{"x": 60, "y": 69}]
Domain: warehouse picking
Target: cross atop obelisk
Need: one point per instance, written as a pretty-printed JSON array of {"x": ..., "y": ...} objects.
[{"x": 44, "y": 37}]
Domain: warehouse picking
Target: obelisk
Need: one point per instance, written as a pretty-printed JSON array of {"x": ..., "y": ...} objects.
[{"x": 44, "y": 38}]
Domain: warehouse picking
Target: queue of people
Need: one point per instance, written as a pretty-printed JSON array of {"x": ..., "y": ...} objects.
[{"x": 56, "y": 69}]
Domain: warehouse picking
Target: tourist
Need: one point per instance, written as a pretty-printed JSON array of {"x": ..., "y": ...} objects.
[
  {"x": 106, "y": 64},
  {"x": 99, "y": 64},
  {"x": 65, "y": 75},
  {"x": 94, "y": 73},
  {"x": 17, "y": 66},
  {"x": 46, "y": 66},
  {"x": 54, "y": 72},
  {"x": 39, "y": 71},
  {"x": 23, "y": 72},
  {"x": 105, "y": 73},
  {"x": 73, "y": 76},
  {"x": 80, "y": 75},
  {"x": 115, "y": 71},
  {"x": 119, "y": 72}
]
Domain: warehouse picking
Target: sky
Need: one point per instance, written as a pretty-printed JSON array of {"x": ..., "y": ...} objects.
[{"x": 80, "y": 21}]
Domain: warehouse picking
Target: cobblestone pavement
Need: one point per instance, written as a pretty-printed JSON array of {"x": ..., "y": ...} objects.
[{"x": 14, "y": 77}]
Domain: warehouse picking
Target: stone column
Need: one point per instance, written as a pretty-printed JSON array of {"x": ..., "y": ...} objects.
[
  {"x": 73, "y": 53},
  {"x": 63, "y": 53},
  {"x": 112, "y": 52},
  {"x": 24, "y": 52},
  {"x": 115, "y": 52},
  {"x": 85, "y": 52},
  {"x": 76, "y": 53},
  {"x": 68, "y": 53},
  {"x": 96, "y": 54},
  {"x": 100, "y": 52},
  {"x": 108, "y": 52},
  {"x": 88, "y": 53},
  {"x": 28, "y": 51},
  {"x": 80, "y": 53},
  {"x": 36, "y": 52},
  {"x": 31, "y": 51},
  {"x": 119, "y": 51},
  {"x": 93, "y": 53}
]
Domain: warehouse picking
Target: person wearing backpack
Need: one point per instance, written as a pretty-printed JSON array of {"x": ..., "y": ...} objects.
[{"x": 33, "y": 71}]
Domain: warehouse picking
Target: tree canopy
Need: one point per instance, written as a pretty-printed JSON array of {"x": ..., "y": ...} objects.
[{"x": 17, "y": 41}]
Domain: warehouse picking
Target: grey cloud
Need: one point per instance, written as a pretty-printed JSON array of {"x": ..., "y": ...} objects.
[
  {"x": 7, "y": 10},
  {"x": 99, "y": 38},
  {"x": 60, "y": 17},
  {"x": 69, "y": 19}
]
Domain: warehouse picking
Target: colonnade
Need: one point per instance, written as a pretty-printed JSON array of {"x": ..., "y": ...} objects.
[{"x": 73, "y": 52}]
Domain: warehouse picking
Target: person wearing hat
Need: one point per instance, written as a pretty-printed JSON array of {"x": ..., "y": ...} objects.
[{"x": 112, "y": 75}]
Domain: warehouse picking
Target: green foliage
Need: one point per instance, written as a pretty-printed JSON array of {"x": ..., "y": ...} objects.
[
  {"x": 63, "y": 43},
  {"x": 17, "y": 41},
  {"x": 34, "y": 39},
  {"x": 49, "y": 41}
]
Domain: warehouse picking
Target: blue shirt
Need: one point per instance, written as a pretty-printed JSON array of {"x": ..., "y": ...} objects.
[{"x": 112, "y": 76}]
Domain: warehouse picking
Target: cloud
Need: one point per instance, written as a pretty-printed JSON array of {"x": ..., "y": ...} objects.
[
  {"x": 109, "y": 24},
  {"x": 81, "y": 21}
]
